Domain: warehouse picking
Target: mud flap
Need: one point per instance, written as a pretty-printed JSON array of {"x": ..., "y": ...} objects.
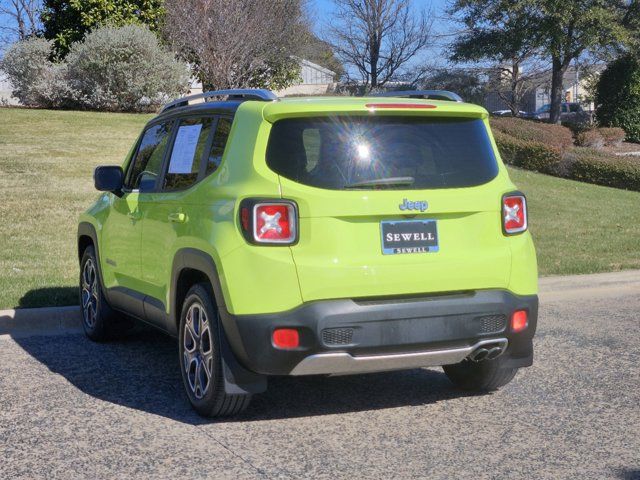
[{"x": 237, "y": 379}]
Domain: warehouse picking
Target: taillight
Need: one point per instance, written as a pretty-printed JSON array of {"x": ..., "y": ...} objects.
[
  {"x": 269, "y": 222},
  {"x": 514, "y": 213}
]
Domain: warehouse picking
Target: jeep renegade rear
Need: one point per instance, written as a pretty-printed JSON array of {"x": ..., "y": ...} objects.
[{"x": 314, "y": 236}]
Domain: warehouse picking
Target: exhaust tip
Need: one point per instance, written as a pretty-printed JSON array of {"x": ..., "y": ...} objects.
[
  {"x": 479, "y": 355},
  {"x": 495, "y": 352},
  {"x": 488, "y": 350}
]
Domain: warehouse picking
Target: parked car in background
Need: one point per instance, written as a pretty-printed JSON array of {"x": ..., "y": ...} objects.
[
  {"x": 507, "y": 113},
  {"x": 570, "y": 113}
]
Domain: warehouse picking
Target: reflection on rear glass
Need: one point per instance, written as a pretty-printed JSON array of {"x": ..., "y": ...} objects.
[{"x": 335, "y": 152}]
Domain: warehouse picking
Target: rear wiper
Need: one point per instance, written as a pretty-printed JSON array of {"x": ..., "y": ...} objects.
[{"x": 383, "y": 182}]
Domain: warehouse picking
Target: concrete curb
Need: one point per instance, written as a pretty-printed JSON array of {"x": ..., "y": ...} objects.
[
  {"x": 600, "y": 285},
  {"x": 25, "y": 322},
  {"x": 64, "y": 320}
]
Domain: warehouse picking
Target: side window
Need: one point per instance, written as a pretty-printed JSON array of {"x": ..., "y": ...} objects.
[
  {"x": 146, "y": 164},
  {"x": 219, "y": 142},
  {"x": 186, "y": 155}
]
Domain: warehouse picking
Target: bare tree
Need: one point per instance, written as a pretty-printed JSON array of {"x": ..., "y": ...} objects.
[
  {"x": 505, "y": 33},
  {"x": 377, "y": 38},
  {"x": 237, "y": 43},
  {"x": 513, "y": 81},
  {"x": 19, "y": 19}
]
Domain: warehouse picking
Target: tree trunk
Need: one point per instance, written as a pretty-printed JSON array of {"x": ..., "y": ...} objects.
[
  {"x": 374, "y": 58},
  {"x": 557, "y": 90},
  {"x": 515, "y": 98}
]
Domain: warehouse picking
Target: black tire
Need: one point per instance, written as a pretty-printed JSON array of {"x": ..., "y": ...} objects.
[
  {"x": 484, "y": 376},
  {"x": 99, "y": 321},
  {"x": 199, "y": 357}
]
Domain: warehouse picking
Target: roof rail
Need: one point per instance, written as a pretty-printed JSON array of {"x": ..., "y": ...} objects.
[
  {"x": 245, "y": 93},
  {"x": 433, "y": 94}
]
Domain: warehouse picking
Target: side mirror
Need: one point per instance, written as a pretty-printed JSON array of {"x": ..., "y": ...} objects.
[{"x": 109, "y": 179}]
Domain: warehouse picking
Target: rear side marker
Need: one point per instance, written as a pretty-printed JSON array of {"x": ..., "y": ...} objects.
[
  {"x": 519, "y": 321},
  {"x": 286, "y": 338}
]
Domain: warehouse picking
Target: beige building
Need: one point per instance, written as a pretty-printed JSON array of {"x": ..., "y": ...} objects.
[
  {"x": 5, "y": 91},
  {"x": 315, "y": 80},
  {"x": 574, "y": 87}
]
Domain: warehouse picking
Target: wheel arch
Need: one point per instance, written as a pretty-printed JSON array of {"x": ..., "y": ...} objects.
[
  {"x": 87, "y": 236},
  {"x": 194, "y": 266},
  {"x": 191, "y": 266}
]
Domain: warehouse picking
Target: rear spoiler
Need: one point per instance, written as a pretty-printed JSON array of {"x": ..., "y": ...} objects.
[{"x": 432, "y": 94}]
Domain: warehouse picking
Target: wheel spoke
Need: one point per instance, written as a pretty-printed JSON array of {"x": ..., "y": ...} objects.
[
  {"x": 90, "y": 316},
  {"x": 198, "y": 380},
  {"x": 85, "y": 298},
  {"x": 195, "y": 323},
  {"x": 207, "y": 361},
  {"x": 190, "y": 341},
  {"x": 187, "y": 358},
  {"x": 189, "y": 324}
]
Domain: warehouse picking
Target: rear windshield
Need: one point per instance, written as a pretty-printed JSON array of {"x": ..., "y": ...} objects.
[{"x": 382, "y": 152}]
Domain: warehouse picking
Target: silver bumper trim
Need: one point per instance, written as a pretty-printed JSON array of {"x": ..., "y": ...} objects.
[{"x": 343, "y": 363}]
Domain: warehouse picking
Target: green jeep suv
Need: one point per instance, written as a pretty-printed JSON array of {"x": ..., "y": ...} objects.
[{"x": 314, "y": 236}]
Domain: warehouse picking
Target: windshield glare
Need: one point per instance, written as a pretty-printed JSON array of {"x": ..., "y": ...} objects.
[{"x": 382, "y": 152}]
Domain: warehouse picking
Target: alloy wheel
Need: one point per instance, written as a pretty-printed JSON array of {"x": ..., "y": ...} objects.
[
  {"x": 89, "y": 285},
  {"x": 198, "y": 350}
]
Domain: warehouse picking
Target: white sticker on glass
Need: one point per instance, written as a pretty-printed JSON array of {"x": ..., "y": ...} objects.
[{"x": 184, "y": 149}]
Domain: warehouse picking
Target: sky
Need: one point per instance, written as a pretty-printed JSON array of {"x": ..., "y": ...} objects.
[{"x": 322, "y": 9}]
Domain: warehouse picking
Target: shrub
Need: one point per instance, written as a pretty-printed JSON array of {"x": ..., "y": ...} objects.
[
  {"x": 555, "y": 136},
  {"x": 529, "y": 154},
  {"x": 124, "y": 69},
  {"x": 117, "y": 69},
  {"x": 593, "y": 166},
  {"x": 612, "y": 136},
  {"x": 27, "y": 66},
  {"x": 590, "y": 138},
  {"x": 577, "y": 127},
  {"x": 618, "y": 97}
]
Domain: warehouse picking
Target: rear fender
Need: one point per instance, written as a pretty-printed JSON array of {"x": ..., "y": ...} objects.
[{"x": 237, "y": 379}]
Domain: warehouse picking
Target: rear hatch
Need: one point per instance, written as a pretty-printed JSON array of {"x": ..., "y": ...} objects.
[{"x": 392, "y": 204}]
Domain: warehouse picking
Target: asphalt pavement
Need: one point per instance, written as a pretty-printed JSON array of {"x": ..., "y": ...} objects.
[{"x": 70, "y": 408}]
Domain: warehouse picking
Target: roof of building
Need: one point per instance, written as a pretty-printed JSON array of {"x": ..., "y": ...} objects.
[{"x": 315, "y": 66}]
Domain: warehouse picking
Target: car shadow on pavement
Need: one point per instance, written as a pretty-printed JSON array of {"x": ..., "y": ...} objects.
[
  {"x": 46, "y": 296},
  {"x": 633, "y": 474},
  {"x": 141, "y": 372}
]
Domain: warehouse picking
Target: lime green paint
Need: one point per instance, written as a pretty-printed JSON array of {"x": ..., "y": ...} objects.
[{"x": 339, "y": 252}]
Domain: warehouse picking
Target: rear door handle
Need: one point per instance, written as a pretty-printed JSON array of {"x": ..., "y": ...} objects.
[{"x": 177, "y": 217}]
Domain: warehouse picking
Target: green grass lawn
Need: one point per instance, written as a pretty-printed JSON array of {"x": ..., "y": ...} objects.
[
  {"x": 46, "y": 164},
  {"x": 579, "y": 227},
  {"x": 46, "y": 167}
]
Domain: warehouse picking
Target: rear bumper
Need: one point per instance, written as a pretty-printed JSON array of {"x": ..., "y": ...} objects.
[{"x": 355, "y": 336}]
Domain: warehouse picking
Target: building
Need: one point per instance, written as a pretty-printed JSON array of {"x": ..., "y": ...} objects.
[
  {"x": 5, "y": 91},
  {"x": 574, "y": 87},
  {"x": 315, "y": 80}
]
